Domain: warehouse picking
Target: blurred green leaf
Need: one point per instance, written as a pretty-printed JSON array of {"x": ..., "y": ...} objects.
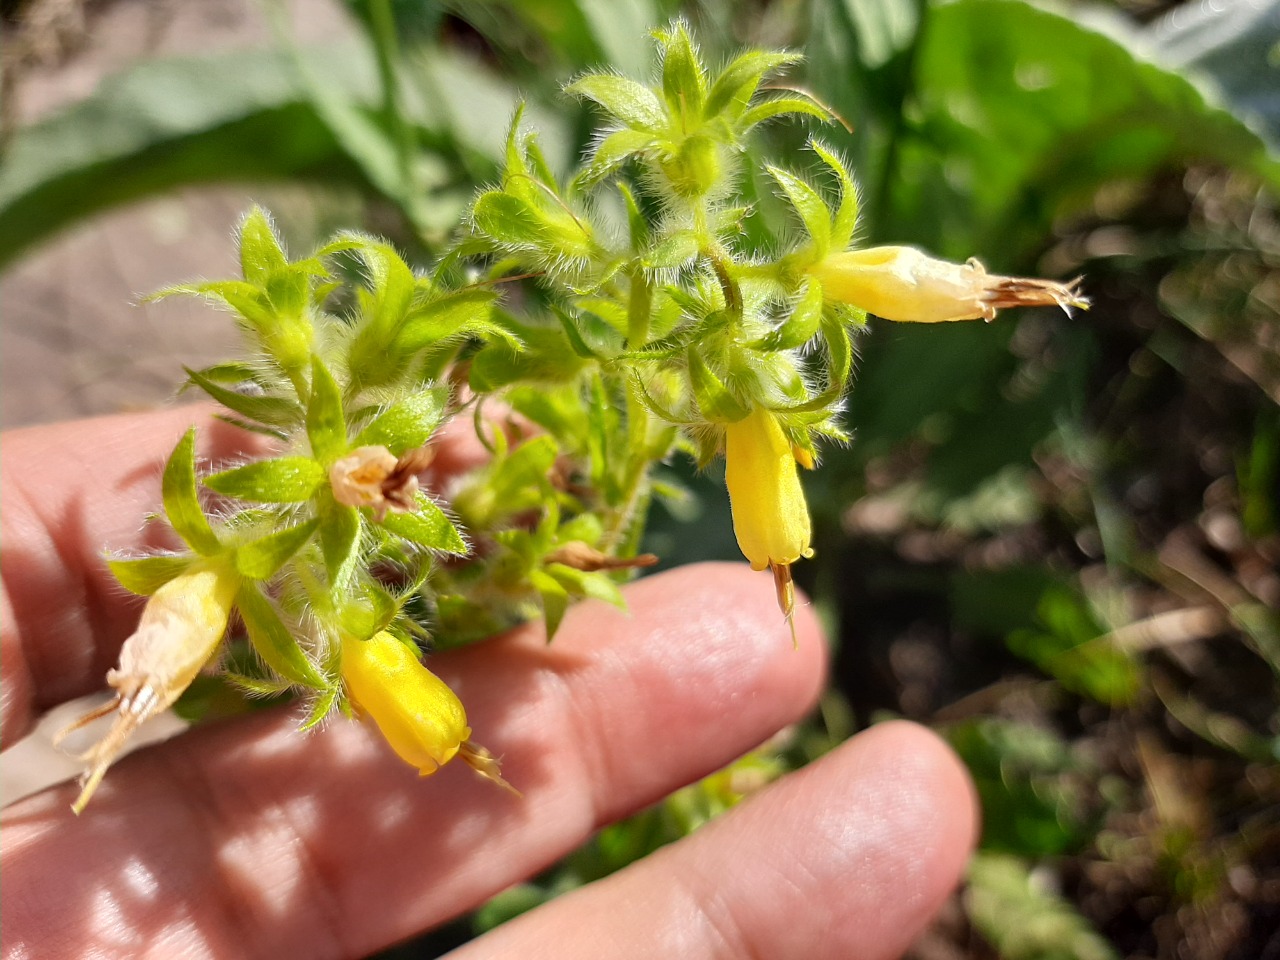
[
  {"x": 1023, "y": 918},
  {"x": 1032, "y": 795},
  {"x": 235, "y": 116}
]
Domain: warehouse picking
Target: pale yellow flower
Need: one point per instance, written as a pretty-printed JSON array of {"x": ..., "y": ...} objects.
[
  {"x": 178, "y": 634},
  {"x": 901, "y": 283}
]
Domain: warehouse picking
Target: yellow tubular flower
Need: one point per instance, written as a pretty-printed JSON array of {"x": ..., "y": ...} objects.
[
  {"x": 416, "y": 712},
  {"x": 178, "y": 634},
  {"x": 770, "y": 516},
  {"x": 901, "y": 283}
]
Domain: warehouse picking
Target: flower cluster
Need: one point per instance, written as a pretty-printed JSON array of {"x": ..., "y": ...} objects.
[{"x": 647, "y": 330}]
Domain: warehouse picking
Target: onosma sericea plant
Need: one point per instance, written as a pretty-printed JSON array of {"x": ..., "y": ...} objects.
[{"x": 644, "y": 331}]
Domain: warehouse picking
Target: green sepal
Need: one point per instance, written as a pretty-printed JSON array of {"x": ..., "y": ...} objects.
[
  {"x": 428, "y": 527},
  {"x": 780, "y": 106},
  {"x": 273, "y": 641},
  {"x": 835, "y": 333},
  {"x": 632, "y": 103},
  {"x": 340, "y": 528},
  {"x": 406, "y": 424},
  {"x": 846, "y": 217},
  {"x": 322, "y": 707},
  {"x": 256, "y": 686},
  {"x": 555, "y": 600},
  {"x": 260, "y": 251},
  {"x": 278, "y": 412},
  {"x": 714, "y": 399},
  {"x": 145, "y": 575},
  {"x": 261, "y": 558},
  {"x": 281, "y": 480},
  {"x": 181, "y": 501},
  {"x": 326, "y": 423},
  {"x": 736, "y": 85},
  {"x": 800, "y": 327},
  {"x": 364, "y": 616},
  {"x": 811, "y": 207},
  {"x": 683, "y": 83}
]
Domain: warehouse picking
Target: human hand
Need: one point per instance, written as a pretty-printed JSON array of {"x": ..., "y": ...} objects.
[{"x": 243, "y": 838}]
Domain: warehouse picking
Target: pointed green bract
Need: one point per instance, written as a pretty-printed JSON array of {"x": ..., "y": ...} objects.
[
  {"x": 262, "y": 558},
  {"x": 260, "y": 251},
  {"x": 406, "y": 424},
  {"x": 326, "y": 422},
  {"x": 145, "y": 575},
  {"x": 428, "y": 527},
  {"x": 282, "y": 480},
  {"x": 340, "y": 531},
  {"x": 274, "y": 641},
  {"x": 182, "y": 502}
]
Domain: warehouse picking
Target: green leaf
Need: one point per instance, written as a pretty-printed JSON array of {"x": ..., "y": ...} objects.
[
  {"x": 281, "y": 412},
  {"x": 555, "y": 600},
  {"x": 407, "y": 424},
  {"x": 736, "y": 84},
  {"x": 260, "y": 559},
  {"x": 453, "y": 315},
  {"x": 782, "y": 106},
  {"x": 683, "y": 83},
  {"x": 714, "y": 399},
  {"x": 145, "y": 575},
  {"x": 1024, "y": 920},
  {"x": 511, "y": 220},
  {"x": 260, "y": 251},
  {"x": 1006, "y": 135},
  {"x": 580, "y": 583},
  {"x": 282, "y": 480},
  {"x": 632, "y": 103},
  {"x": 273, "y": 641},
  {"x": 802, "y": 324},
  {"x": 340, "y": 528},
  {"x": 613, "y": 151},
  {"x": 574, "y": 336},
  {"x": 246, "y": 299},
  {"x": 428, "y": 527},
  {"x": 181, "y": 502},
  {"x": 326, "y": 422}
]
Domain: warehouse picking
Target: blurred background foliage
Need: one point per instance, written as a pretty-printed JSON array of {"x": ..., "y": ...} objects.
[{"x": 1053, "y": 538}]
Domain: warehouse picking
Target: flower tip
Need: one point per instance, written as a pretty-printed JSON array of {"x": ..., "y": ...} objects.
[{"x": 486, "y": 765}]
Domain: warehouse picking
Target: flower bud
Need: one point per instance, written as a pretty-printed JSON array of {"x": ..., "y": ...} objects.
[
  {"x": 901, "y": 283},
  {"x": 770, "y": 516},
  {"x": 416, "y": 712},
  {"x": 420, "y": 717},
  {"x": 179, "y": 633}
]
